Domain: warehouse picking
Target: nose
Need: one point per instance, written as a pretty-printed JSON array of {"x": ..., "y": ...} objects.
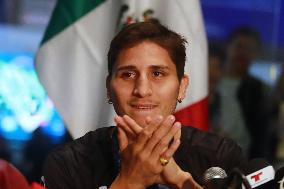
[{"x": 142, "y": 87}]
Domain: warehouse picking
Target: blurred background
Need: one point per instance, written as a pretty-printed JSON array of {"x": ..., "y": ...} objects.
[{"x": 30, "y": 125}]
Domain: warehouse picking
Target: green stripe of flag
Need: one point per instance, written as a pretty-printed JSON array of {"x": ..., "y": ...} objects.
[{"x": 65, "y": 13}]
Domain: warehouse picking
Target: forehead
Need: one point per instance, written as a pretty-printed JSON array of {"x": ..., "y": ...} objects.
[
  {"x": 245, "y": 40},
  {"x": 144, "y": 54}
]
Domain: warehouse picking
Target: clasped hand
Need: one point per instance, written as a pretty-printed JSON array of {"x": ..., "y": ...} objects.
[{"x": 141, "y": 150}]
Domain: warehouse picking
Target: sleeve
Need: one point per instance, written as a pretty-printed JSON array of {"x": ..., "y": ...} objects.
[
  {"x": 56, "y": 174},
  {"x": 201, "y": 150},
  {"x": 229, "y": 154}
]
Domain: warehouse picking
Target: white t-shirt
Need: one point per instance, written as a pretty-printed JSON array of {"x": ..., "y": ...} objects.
[{"x": 231, "y": 118}]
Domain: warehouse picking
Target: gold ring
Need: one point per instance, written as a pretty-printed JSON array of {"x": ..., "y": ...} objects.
[{"x": 164, "y": 161}]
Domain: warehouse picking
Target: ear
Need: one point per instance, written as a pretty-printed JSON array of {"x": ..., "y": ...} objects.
[
  {"x": 108, "y": 85},
  {"x": 184, "y": 82}
]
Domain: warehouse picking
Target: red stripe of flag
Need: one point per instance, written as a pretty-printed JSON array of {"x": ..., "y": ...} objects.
[{"x": 195, "y": 115}]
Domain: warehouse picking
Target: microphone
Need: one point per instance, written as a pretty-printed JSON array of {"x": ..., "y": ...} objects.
[
  {"x": 259, "y": 174},
  {"x": 279, "y": 179},
  {"x": 214, "y": 178}
]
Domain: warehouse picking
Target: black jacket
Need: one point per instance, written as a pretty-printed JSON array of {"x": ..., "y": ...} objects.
[
  {"x": 254, "y": 103},
  {"x": 93, "y": 160}
]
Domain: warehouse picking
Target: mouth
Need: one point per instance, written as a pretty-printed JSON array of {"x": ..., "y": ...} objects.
[{"x": 143, "y": 106}]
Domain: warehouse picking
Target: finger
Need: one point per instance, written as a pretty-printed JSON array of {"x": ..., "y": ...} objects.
[
  {"x": 122, "y": 139},
  {"x": 153, "y": 123},
  {"x": 171, "y": 150},
  {"x": 164, "y": 142},
  {"x": 132, "y": 124},
  {"x": 146, "y": 134},
  {"x": 142, "y": 139},
  {"x": 120, "y": 122},
  {"x": 164, "y": 127},
  {"x": 160, "y": 132},
  {"x": 148, "y": 120},
  {"x": 178, "y": 135}
]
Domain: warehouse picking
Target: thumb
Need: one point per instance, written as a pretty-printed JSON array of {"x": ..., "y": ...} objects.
[{"x": 122, "y": 139}]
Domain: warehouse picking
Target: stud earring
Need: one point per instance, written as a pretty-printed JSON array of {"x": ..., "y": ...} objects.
[
  {"x": 109, "y": 101},
  {"x": 179, "y": 100}
]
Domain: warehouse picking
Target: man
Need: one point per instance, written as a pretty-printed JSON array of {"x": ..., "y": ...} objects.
[
  {"x": 148, "y": 148},
  {"x": 244, "y": 116}
]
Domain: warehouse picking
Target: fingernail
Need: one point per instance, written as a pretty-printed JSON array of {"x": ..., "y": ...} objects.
[
  {"x": 177, "y": 125},
  {"x": 172, "y": 118},
  {"x": 115, "y": 118},
  {"x": 177, "y": 141}
]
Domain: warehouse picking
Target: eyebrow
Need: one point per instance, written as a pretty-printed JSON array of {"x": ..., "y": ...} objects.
[
  {"x": 159, "y": 67},
  {"x": 131, "y": 67}
]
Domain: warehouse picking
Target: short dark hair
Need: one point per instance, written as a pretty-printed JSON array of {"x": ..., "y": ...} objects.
[
  {"x": 247, "y": 32},
  {"x": 216, "y": 50},
  {"x": 136, "y": 33}
]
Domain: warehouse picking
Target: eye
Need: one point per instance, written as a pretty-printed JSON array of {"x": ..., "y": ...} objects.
[
  {"x": 128, "y": 74},
  {"x": 157, "y": 73}
]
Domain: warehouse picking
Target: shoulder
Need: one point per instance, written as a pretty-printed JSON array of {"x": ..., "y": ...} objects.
[
  {"x": 201, "y": 150},
  {"x": 208, "y": 141},
  {"x": 89, "y": 142},
  {"x": 251, "y": 81},
  {"x": 67, "y": 164},
  {"x": 254, "y": 90}
]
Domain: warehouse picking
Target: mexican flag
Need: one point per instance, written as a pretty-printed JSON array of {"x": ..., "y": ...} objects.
[{"x": 72, "y": 60}]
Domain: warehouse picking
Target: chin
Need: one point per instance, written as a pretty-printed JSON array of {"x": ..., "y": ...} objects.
[{"x": 140, "y": 121}]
